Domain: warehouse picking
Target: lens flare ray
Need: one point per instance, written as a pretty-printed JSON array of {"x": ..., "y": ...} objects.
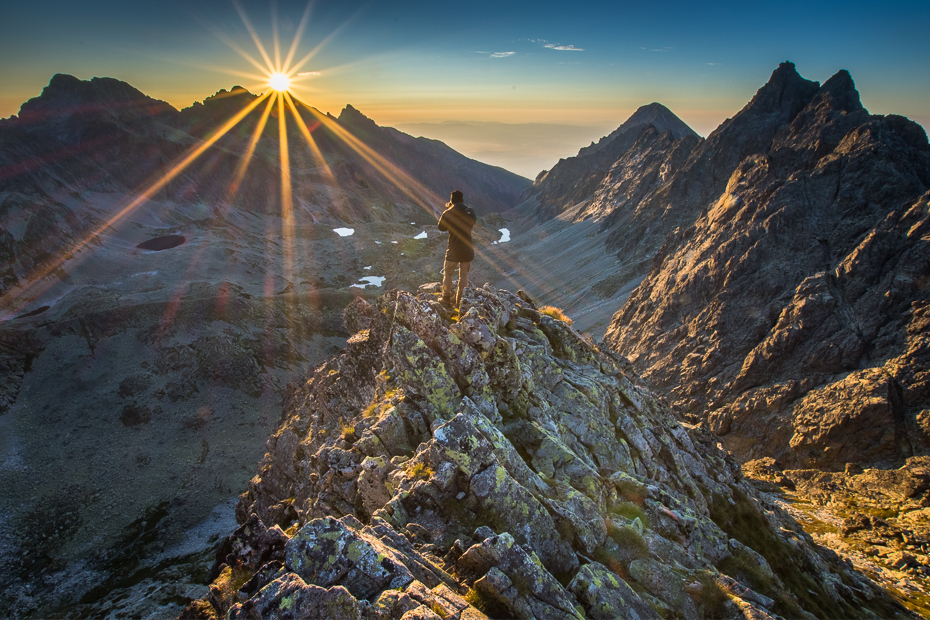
[
  {"x": 278, "y": 79},
  {"x": 297, "y": 36},
  {"x": 255, "y": 38}
]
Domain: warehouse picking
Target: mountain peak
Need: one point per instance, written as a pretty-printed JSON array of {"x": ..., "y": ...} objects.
[
  {"x": 655, "y": 114},
  {"x": 350, "y": 116},
  {"x": 351, "y": 113},
  {"x": 840, "y": 91},
  {"x": 785, "y": 94},
  {"x": 66, "y": 95},
  {"x": 660, "y": 117}
]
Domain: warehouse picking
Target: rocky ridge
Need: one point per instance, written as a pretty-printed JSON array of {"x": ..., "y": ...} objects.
[
  {"x": 616, "y": 214},
  {"x": 575, "y": 179},
  {"x": 499, "y": 463},
  {"x": 141, "y": 376},
  {"x": 791, "y": 316}
]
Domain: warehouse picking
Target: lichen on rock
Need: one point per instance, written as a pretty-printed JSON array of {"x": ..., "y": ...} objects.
[{"x": 503, "y": 465}]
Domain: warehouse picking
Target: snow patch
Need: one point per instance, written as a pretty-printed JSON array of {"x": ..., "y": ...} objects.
[
  {"x": 369, "y": 281},
  {"x": 344, "y": 232},
  {"x": 422, "y": 235},
  {"x": 505, "y": 236}
]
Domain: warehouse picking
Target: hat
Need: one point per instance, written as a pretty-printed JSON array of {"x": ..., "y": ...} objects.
[{"x": 457, "y": 196}]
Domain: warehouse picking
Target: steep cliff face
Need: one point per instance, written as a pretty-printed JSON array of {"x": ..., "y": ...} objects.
[
  {"x": 501, "y": 464},
  {"x": 792, "y": 314}
]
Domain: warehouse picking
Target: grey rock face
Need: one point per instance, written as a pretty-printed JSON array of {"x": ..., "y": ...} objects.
[
  {"x": 564, "y": 491},
  {"x": 789, "y": 314},
  {"x": 575, "y": 206}
]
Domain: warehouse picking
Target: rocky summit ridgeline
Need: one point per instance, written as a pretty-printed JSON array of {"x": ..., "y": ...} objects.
[
  {"x": 503, "y": 465},
  {"x": 792, "y": 314}
]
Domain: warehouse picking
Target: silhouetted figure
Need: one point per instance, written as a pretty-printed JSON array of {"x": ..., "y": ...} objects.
[{"x": 458, "y": 219}]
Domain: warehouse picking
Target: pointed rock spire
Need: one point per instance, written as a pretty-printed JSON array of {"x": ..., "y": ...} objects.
[
  {"x": 785, "y": 94},
  {"x": 840, "y": 93}
]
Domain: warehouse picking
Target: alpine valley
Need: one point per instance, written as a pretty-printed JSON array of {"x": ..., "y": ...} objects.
[{"x": 734, "y": 423}]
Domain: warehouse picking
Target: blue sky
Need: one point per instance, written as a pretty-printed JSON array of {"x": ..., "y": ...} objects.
[{"x": 587, "y": 63}]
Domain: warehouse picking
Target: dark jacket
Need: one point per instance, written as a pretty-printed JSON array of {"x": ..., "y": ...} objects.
[{"x": 459, "y": 219}]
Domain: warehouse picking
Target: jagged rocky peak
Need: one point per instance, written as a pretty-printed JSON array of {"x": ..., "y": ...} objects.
[
  {"x": 785, "y": 94},
  {"x": 353, "y": 117},
  {"x": 234, "y": 92},
  {"x": 576, "y": 179},
  {"x": 502, "y": 465},
  {"x": 67, "y": 95},
  {"x": 789, "y": 316}
]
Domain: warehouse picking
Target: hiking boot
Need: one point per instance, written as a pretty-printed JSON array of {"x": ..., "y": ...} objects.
[{"x": 446, "y": 303}]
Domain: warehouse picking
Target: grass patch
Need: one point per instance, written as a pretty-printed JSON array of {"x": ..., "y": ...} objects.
[
  {"x": 714, "y": 599},
  {"x": 628, "y": 539},
  {"x": 347, "y": 431},
  {"x": 613, "y": 563},
  {"x": 555, "y": 313},
  {"x": 624, "y": 544},
  {"x": 745, "y": 568},
  {"x": 439, "y": 610},
  {"x": 420, "y": 471},
  {"x": 631, "y": 510}
]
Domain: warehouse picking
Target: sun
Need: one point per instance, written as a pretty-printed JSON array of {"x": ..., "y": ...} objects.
[{"x": 279, "y": 82}]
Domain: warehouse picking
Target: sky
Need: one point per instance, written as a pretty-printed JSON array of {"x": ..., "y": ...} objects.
[{"x": 416, "y": 63}]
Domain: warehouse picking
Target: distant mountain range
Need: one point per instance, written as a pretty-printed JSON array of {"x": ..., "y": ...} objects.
[{"x": 104, "y": 136}]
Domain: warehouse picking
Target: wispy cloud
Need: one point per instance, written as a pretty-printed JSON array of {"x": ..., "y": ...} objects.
[
  {"x": 555, "y": 46},
  {"x": 712, "y": 64},
  {"x": 502, "y": 54},
  {"x": 306, "y": 73},
  {"x": 564, "y": 48},
  {"x": 657, "y": 49}
]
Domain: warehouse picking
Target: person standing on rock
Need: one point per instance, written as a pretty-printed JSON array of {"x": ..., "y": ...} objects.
[{"x": 458, "y": 219}]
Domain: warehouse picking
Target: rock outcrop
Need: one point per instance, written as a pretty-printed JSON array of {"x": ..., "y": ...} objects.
[
  {"x": 500, "y": 464},
  {"x": 791, "y": 316},
  {"x": 577, "y": 179}
]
